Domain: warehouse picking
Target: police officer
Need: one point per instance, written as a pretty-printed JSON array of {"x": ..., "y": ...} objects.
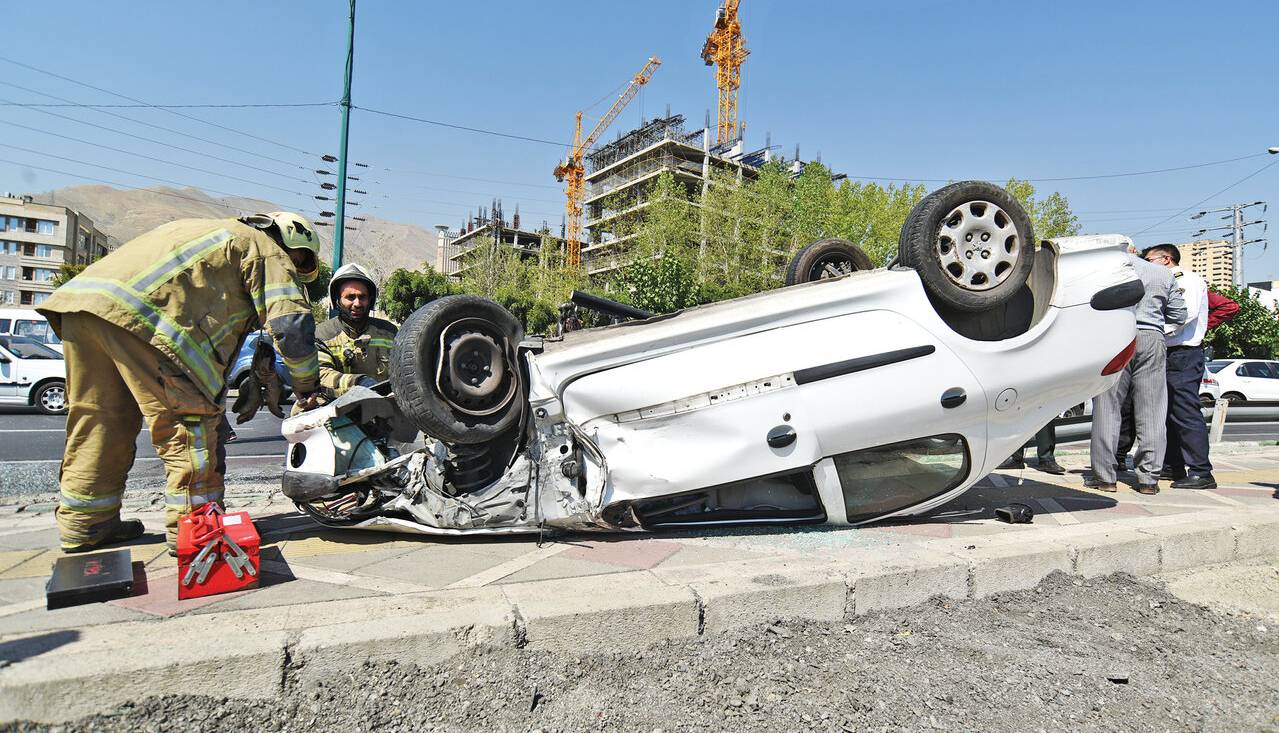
[
  {"x": 148, "y": 332},
  {"x": 1186, "y": 458},
  {"x": 354, "y": 347}
]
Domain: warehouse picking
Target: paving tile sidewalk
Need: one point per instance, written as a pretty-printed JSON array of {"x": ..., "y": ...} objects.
[
  {"x": 321, "y": 587},
  {"x": 306, "y": 563}
]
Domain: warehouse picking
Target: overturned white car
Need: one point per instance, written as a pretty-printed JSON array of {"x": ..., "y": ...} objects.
[{"x": 849, "y": 397}]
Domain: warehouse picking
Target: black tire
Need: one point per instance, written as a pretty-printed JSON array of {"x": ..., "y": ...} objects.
[
  {"x": 415, "y": 361},
  {"x": 1234, "y": 397},
  {"x": 984, "y": 269},
  {"x": 51, "y": 398},
  {"x": 826, "y": 259}
]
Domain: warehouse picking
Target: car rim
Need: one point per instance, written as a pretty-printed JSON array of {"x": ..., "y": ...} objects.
[
  {"x": 830, "y": 266},
  {"x": 474, "y": 375},
  {"x": 54, "y": 399},
  {"x": 978, "y": 245}
]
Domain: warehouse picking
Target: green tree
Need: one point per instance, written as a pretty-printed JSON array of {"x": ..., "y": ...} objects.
[
  {"x": 66, "y": 271},
  {"x": 317, "y": 291},
  {"x": 1050, "y": 217},
  {"x": 407, "y": 290},
  {"x": 1253, "y": 332}
]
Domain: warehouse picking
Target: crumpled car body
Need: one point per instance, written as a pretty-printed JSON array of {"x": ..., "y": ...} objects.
[{"x": 840, "y": 402}]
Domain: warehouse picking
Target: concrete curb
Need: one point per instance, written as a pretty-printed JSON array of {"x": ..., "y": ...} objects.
[{"x": 62, "y": 675}]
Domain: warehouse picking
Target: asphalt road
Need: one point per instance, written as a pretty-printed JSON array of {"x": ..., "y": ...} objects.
[{"x": 31, "y": 447}]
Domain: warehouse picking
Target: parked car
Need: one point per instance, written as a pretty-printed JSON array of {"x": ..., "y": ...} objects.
[
  {"x": 31, "y": 373},
  {"x": 26, "y": 322},
  {"x": 1209, "y": 389},
  {"x": 1246, "y": 379},
  {"x": 851, "y": 396},
  {"x": 244, "y": 362}
]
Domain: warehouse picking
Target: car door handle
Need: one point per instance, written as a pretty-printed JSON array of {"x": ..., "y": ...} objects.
[
  {"x": 953, "y": 397},
  {"x": 781, "y": 436}
]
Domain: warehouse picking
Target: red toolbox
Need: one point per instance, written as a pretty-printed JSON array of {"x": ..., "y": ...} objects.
[{"x": 217, "y": 553}]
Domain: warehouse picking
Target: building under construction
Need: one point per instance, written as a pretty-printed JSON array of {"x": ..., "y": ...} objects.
[
  {"x": 457, "y": 253},
  {"x": 620, "y": 176}
]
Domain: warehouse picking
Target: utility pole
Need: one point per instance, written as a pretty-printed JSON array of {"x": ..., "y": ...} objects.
[
  {"x": 1234, "y": 213},
  {"x": 340, "y": 229},
  {"x": 1236, "y": 246}
]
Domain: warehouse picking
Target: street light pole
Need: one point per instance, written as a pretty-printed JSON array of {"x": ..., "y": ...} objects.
[{"x": 340, "y": 209}]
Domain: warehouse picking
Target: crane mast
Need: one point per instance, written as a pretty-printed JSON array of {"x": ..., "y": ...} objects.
[
  {"x": 725, "y": 48},
  {"x": 573, "y": 172}
]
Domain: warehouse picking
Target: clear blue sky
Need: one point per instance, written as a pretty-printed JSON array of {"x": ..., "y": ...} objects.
[{"x": 912, "y": 89}]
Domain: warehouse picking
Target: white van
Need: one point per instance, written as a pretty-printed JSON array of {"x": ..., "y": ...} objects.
[{"x": 26, "y": 322}]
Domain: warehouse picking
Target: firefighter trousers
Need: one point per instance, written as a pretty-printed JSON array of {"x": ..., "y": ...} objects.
[{"x": 115, "y": 380}]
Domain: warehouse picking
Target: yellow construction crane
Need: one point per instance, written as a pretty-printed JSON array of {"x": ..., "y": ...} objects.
[
  {"x": 572, "y": 170},
  {"x": 725, "y": 48}
]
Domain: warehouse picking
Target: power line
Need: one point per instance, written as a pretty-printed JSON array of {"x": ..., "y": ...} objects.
[
  {"x": 116, "y": 170},
  {"x": 469, "y": 178},
  {"x": 170, "y": 111},
  {"x": 148, "y": 157},
  {"x": 466, "y": 128},
  {"x": 167, "y": 106},
  {"x": 169, "y": 145},
  {"x": 1211, "y": 196},
  {"x": 139, "y": 122},
  {"x": 211, "y": 202},
  {"x": 1069, "y": 178}
]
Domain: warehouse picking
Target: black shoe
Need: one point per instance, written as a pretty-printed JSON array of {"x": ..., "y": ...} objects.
[
  {"x": 1121, "y": 462},
  {"x": 1171, "y": 474},
  {"x": 1092, "y": 482},
  {"x": 124, "y": 531},
  {"x": 1196, "y": 482},
  {"x": 1050, "y": 465},
  {"x": 1012, "y": 462},
  {"x": 1146, "y": 488}
]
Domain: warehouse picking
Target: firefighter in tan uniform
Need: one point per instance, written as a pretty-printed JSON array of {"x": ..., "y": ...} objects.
[
  {"x": 354, "y": 348},
  {"x": 148, "y": 332}
]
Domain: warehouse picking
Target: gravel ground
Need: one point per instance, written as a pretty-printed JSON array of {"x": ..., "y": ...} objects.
[{"x": 1115, "y": 654}]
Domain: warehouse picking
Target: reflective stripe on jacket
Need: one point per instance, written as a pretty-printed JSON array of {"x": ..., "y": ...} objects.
[
  {"x": 345, "y": 355},
  {"x": 192, "y": 289}
]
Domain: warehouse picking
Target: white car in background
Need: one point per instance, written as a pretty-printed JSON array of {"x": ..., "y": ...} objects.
[
  {"x": 1246, "y": 379},
  {"x": 32, "y": 374},
  {"x": 847, "y": 398},
  {"x": 27, "y": 322}
]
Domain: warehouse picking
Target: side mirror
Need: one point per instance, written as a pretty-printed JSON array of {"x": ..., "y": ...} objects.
[{"x": 4, "y": 359}]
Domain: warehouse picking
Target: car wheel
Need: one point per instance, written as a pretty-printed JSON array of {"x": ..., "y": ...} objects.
[
  {"x": 51, "y": 399},
  {"x": 826, "y": 259},
  {"x": 454, "y": 369},
  {"x": 1207, "y": 400},
  {"x": 1234, "y": 397},
  {"x": 971, "y": 243}
]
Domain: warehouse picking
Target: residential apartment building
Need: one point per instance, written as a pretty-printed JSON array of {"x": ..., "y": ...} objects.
[
  {"x": 1211, "y": 259},
  {"x": 35, "y": 240}
]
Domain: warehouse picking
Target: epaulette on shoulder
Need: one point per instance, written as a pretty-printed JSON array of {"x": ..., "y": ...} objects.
[
  {"x": 328, "y": 329},
  {"x": 384, "y": 325}
]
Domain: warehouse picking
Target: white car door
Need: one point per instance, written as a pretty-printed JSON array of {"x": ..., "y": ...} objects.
[
  {"x": 1255, "y": 381},
  {"x": 1268, "y": 383},
  {"x": 818, "y": 393},
  {"x": 10, "y": 374}
]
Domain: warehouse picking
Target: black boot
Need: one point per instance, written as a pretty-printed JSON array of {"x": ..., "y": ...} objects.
[{"x": 123, "y": 531}]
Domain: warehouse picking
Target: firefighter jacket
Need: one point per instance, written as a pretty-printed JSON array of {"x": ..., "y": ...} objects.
[
  {"x": 192, "y": 289},
  {"x": 348, "y": 353}
]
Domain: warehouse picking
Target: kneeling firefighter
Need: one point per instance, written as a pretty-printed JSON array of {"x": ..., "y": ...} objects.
[
  {"x": 354, "y": 347},
  {"x": 148, "y": 332}
]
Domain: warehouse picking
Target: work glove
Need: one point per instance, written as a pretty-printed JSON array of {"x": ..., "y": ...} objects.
[{"x": 262, "y": 386}]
